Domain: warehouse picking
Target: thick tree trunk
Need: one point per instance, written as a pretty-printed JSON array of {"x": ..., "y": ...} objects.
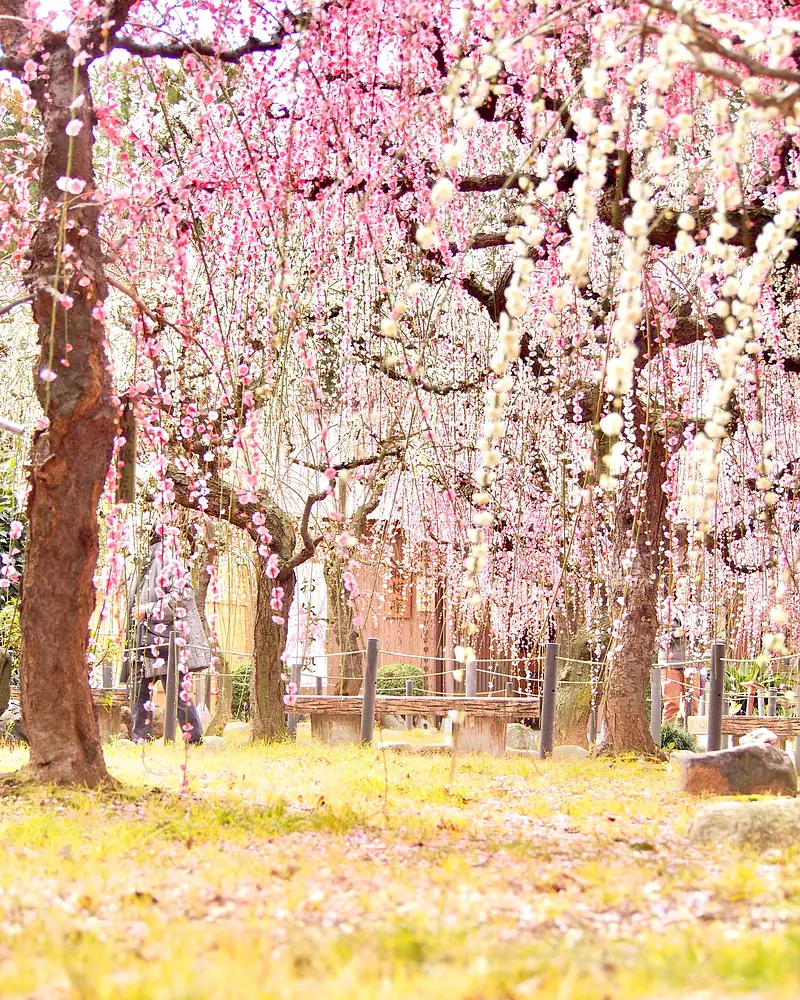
[
  {"x": 340, "y": 626},
  {"x": 71, "y": 456},
  {"x": 267, "y": 709},
  {"x": 639, "y": 532}
]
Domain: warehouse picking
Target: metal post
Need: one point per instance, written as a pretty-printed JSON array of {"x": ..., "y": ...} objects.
[
  {"x": 471, "y": 689},
  {"x": 655, "y": 704},
  {"x": 548, "y": 702},
  {"x": 409, "y": 694},
  {"x": 370, "y": 691},
  {"x": 716, "y": 692},
  {"x": 291, "y": 718},
  {"x": 772, "y": 702},
  {"x": 318, "y": 686},
  {"x": 171, "y": 707}
]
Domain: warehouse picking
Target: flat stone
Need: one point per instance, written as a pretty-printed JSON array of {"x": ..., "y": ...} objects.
[
  {"x": 761, "y": 825},
  {"x": 519, "y": 737},
  {"x": 753, "y": 769},
  {"x": 237, "y": 732},
  {"x": 213, "y": 742},
  {"x": 431, "y": 749},
  {"x": 397, "y": 747},
  {"x": 569, "y": 752}
]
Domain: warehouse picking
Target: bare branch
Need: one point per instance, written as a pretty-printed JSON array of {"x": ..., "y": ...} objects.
[
  {"x": 7, "y": 308},
  {"x": 177, "y": 50},
  {"x": 309, "y": 546},
  {"x": 353, "y": 463}
]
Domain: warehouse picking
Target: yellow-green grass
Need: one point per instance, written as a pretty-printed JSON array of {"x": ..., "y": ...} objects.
[{"x": 341, "y": 873}]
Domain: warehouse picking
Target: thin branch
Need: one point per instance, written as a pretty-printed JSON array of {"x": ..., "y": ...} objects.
[
  {"x": 177, "y": 50},
  {"x": 309, "y": 546},
  {"x": 353, "y": 463},
  {"x": 23, "y": 300}
]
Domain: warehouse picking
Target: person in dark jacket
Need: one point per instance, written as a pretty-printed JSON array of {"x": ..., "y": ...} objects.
[{"x": 161, "y": 603}]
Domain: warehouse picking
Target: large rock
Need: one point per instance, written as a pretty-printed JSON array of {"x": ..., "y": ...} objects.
[
  {"x": 570, "y": 752},
  {"x": 237, "y": 733},
  {"x": 519, "y": 737},
  {"x": 391, "y": 721},
  {"x": 757, "y": 769},
  {"x": 762, "y": 825}
]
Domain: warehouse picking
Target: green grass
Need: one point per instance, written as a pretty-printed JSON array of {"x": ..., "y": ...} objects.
[{"x": 340, "y": 873}]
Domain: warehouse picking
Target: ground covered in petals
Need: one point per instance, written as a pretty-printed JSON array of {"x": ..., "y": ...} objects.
[{"x": 309, "y": 871}]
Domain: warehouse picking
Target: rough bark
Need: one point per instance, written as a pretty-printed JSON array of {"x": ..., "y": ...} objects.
[
  {"x": 340, "y": 622},
  {"x": 70, "y": 458},
  {"x": 638, "y": 535},
  {"x": 267, "y": 710}
]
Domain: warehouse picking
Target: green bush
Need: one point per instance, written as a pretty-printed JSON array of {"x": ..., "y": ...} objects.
[
  {"x": 10, "y": 637},
  {"x": 240, "y": 698},
  {"x": 675, "y": 738},
  {"x": 392, "y": 679}
]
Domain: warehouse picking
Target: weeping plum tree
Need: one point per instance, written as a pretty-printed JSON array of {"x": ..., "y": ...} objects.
[
  {"x": 63, "y": 269},
  {"x": 579, "y": 177}
]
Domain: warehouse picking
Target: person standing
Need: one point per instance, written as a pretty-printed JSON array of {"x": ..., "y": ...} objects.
[{"x": 161, "y": 603}]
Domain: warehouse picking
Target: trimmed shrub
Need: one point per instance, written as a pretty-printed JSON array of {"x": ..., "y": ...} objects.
[
  {"x": 675, "y": 738},
  {"x": 392, "y": 679},
  {"x": 240, "y": 696}
]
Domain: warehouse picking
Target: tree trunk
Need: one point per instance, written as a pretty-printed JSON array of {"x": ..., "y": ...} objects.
[
  {"x": 639, "y": 530},
  {"x": 340, "y": 625},
  {"x": 69, "y": 458},
  {"x": 267, "y": 710}
]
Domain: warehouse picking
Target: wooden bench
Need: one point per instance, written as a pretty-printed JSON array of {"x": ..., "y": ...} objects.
[
  {"x": 109, "y": 703},
  {"x": 337, "y": 719}
]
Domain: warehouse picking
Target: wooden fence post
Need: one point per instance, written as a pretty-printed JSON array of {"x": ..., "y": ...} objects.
[
  {"x": 655, "y": 704},
  {"x": 409, "y": 694},
  {"x": 509, "y": 689},
  {"x": 370, "y": 691},
  {"x": 547, "y": 708},
  {"x": 716, "y": 695},
  {"x": 171, "y": 707},
  {"x": 318, "y": 686}
]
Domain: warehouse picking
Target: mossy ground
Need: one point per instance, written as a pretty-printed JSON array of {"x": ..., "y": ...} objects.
[{"x": 345, "y": 874}]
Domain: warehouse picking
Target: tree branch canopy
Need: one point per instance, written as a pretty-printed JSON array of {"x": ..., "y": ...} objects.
[{"x": 177, "y": 50}]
